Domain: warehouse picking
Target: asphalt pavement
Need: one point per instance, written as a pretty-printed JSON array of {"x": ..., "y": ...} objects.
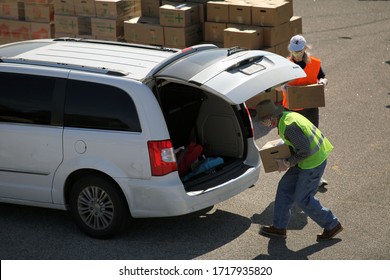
[{"x": 352, "y": 38}]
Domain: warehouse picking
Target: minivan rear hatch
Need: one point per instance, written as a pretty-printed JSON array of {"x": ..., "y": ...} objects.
[{"x": 234, "y": 75}]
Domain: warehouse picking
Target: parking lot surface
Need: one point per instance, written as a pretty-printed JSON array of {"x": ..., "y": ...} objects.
[{"x": 352, "y": 38}]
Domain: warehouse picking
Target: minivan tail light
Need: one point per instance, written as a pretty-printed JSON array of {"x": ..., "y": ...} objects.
[{"x": 162, "y": 157}]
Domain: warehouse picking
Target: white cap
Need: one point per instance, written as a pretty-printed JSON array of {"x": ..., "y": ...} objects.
[{"x": 297, "y": 43}]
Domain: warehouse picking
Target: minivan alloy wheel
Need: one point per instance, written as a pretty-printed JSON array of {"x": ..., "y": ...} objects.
[
  {"x": 98, "y": 206},
  {"x": 95, "y": 207}
]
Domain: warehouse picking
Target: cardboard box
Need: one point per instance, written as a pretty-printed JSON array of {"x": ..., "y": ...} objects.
[
  {"x": 202, "y": 10},
  {"x": 271, "y": 13},
  {"x": 244, "y": 36},
  {"x": 218, "y": 11},
  {"x": 265, "y": 95},
  {"x": 240, "y": 12},
  {"x": 182, "y": 37},
  {"x": 296, "y": 25},
  {"x": 110, "y": 29},
  {"x": 118, "y": 8},
  {"x": 150, "y": 8},
  {"x": 13, "y": 30},
  {"x": 214, "y": 31},
  {"x": 64, "y": 7},
  {"x": 311, "y": 96},
  {"x": 85, "y": 8},
  {"x": 38, "y": 1},
  {"x": 73, "y": 25},
  {"x": 12, "y": 10},
  {"x": 39, "y": 12},
  {"x": 275, "y": 149},
  {"x": 42, "y": 30},
  {"x": 282, "y": 49},
  {"x": 144, "y": 30},
  {"x": 276, "y": 35},
  {"x": 179, "y": 16}
]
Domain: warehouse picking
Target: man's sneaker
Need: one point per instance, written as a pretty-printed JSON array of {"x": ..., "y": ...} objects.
[
  {"x": 271, "y": 231},
  {"x": 323, "y": 183},
  {"x": 329, "y": 234}
]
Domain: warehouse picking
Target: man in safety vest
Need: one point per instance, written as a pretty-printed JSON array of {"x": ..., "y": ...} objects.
[
  {"x": 314, "y": 75},
  {"x": 310, "y": 150}
]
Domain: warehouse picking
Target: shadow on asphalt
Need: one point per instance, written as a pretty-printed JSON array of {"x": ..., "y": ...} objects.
[
  {"x": 35, "y": 233},
  {"x": 277, "y": 250}
]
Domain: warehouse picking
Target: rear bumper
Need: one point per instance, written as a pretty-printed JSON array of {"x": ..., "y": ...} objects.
[{"x": 165, "y": 196}]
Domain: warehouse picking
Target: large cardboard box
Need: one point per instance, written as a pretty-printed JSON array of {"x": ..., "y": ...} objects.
[
  {"x": 275, "y": 149},
  {"x": 109, "y": 29},
  {"x": 218, "y": 11},
  {"x": 202, "y": 10},
  {"x": 266, "y": 95},
  {"x": 42, "y": 30},
  {"x": 182, "y": 37},
  {"x": 311, "y": 96},
  {"x": 72, "y": 25},
  {"x": 85, "y": 8},
  {"x": 214, "y": 31},
  {"x": 150, "y": 8},
  {"x": 38, "y": 1},
  {"x": 296, "y": 25},
  {"x": 64, "y": 7},
  {"x": 240, "y": 12},
  {"x": 144, "y": 30},
  {"x": 118, "y": 8},
  {"x": 13, "y": 30},
  {"x": 11, "y": 10},
  {"x": 245, "y": 36},
  {"x": 179, "y": 16},
  {"x": 271, "y": 13},
  {"x": 39, "y": 12},
  {"x": 276, "y": 35}
]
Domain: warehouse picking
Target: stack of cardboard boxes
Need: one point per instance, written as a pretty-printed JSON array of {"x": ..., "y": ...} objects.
[
  {"x": 252, "y": 24},
  {"x": 26, "y": 19},
  {"x": 96, "y": 19},
  {"x": 176, "y": 24}
]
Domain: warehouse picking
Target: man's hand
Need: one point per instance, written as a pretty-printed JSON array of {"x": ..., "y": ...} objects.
[
  {"x": 283, "y": 165},
  {"x": 323, "y": 81}
]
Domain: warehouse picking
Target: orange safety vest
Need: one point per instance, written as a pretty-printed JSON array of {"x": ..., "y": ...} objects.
[{"x": 312, "y": 69}]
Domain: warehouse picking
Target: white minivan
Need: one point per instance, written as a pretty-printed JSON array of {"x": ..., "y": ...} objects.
[{"x": 93, "y": 126}]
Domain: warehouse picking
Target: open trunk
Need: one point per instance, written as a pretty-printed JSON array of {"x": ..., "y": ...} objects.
[{"x": 222, "y": 129}]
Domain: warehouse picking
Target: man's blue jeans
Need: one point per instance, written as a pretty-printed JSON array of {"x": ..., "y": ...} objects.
[{"x": 299, "y": 186}]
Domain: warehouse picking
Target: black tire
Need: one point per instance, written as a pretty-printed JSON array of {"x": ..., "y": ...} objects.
[{"x": 98, "y": 207}]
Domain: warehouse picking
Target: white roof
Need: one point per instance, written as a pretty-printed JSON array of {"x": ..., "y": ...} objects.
[{"x": 136, "y": 61}]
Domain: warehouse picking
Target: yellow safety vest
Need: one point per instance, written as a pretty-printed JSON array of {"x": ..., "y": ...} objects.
[{"x": 320, "y": 147}]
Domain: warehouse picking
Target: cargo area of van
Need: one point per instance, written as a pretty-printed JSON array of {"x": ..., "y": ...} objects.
[{"x": 217, "y": 129}]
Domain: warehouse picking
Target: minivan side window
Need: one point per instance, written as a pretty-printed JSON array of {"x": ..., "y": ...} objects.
[
  {"x": 26, "y": 98},
  {"x": 99, "y": 106}
]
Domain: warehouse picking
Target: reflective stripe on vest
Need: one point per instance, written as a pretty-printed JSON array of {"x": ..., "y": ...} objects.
[
  {"x": 320, "y": 147},
  {"x": 312, "y": 137},
  {"x": 312, "y": 69}
]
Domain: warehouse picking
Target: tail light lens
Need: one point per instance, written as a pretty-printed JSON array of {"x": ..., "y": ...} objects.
[{"x": 162, "y": 157}]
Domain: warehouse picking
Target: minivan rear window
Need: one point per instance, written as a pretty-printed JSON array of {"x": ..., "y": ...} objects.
[{"x": 99, "y": 106}]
